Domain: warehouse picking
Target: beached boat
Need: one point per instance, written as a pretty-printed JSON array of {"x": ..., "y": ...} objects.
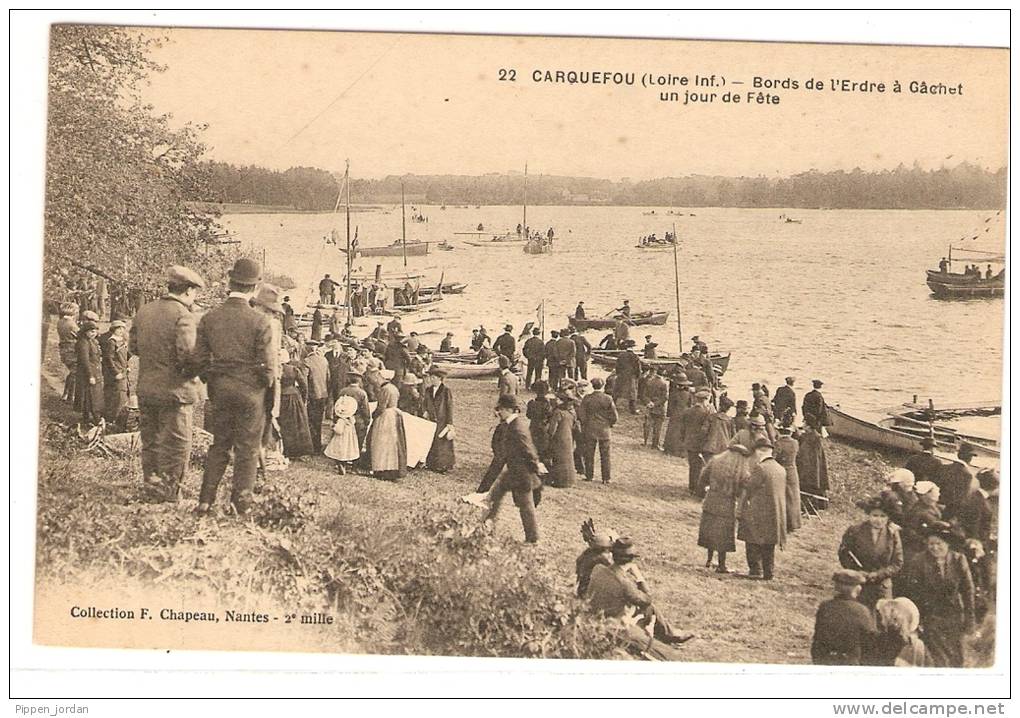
[
  {"x": 607, "y": 358},
  {"x": 465, "y": 370},
  {"x": 637, "y": 319},
  {"x": 397, "y": 249},
  {"x": 886, "y": 434},
  {"x": 948, "y": 285}
]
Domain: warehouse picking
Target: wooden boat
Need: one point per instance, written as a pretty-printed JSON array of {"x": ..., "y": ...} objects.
[
  {"x": 414, "y": 249},
  {"x": 448, "y": 288},
  {"x": 887, "y": 436},
  {"x": 465, "y": 370},
  {"x": 949, "y": 285},
  {"x": 636, "y": 320},
  {"x": 510, "y": 239},
  {"x": 607, "y": 358},
  {"x": 445, "y": 246},
  {"x": 656, "y": 245}
]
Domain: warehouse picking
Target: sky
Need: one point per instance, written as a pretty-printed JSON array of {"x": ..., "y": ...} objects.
[{"x": 433, "y": 104}]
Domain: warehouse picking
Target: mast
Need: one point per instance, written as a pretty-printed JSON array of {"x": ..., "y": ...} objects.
[
  {"x": 676, "y": 279},
  {"x": 403, "y": 224},
  {"x": 525, "y": 201},
  {"x": 347, "y": 207}
]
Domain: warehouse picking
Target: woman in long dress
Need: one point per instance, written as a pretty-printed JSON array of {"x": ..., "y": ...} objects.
[
  {"x": 538, "y": 412},
  {"x": 387, "y": 444},
  {"x": 297, "y": 439},
  {"x": 812, "y": 467},
  {"x": 438, "y": 403},
  {"x": 725, "y": 476},
  {"x": 561, "y": 443},
  {"x": 785, "y": 453},
  {"x": 89, "y": 379},
  {"x": 343, "y": 446},
  {"x": 679, "y": 401}
]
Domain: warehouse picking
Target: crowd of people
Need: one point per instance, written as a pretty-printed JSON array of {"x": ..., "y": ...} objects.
[{"x": 915, "y": 575}]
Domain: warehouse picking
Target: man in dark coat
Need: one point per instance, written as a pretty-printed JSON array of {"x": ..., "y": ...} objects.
[
  {"x": 516, "y": 465},
  {"x": 925, "y": 466},
  {"x": 763, "y": 511},
  {"x": 397, "y": 358},
  {"x": 534, "y": 352},
  {"x": 957, "y": 481},
  {"x": 628, "y": 372},
  {"x": 327, "y": 290},
  {"x": 813, "y": 409},
  {"x": 582, "y": 352},
  {"x": 363, "y": 416},
  {"x": 446, "y": 345},
  {"x": 695, "y": 422},
  {"x": 438, "y": 404},
  {"x": 566, "y": 354},
  {"x": 163, "y": 336},
  {"x": 505, "y": 344},
  {"x": 579, "y": 312},
  {"x": 235, "y": 354},
  {"x": 597, "y": 415},
  {"x": 318, "y": 392},
  {"x": 649, "y": 351},
  {"x": 552, "y": 361},
  {"x": 656, "y": 396},
  {"x": 844, "y": 628},
  {"x": 784, "y": 403}
]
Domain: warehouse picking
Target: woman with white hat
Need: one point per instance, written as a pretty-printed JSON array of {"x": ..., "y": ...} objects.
[{"x": 897, "y": 642}]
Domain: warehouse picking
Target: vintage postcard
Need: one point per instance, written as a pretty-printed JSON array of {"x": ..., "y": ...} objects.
[{"x": 522, "y": 347}]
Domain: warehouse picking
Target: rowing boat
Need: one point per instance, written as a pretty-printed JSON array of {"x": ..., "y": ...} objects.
[
  {"x": 607, "y": 358},
  {"x": 885, "y": 434},
  {"x": 635, "y": 320},
  {"x": 413, "y": 249},
  {"x": 464, "y": 370},
  {"x": 946, "y": 285}
]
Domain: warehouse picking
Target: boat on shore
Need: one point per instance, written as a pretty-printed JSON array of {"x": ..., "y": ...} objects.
[
  {"x": 889, "y": 434},
  {"x": 607, "y": 358},
  {"x": 466, "y": 370},
  {"x": 636, "y": 320}
]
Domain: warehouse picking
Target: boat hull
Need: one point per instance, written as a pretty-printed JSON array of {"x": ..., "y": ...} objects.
[
  {"x": 607, "y": 358},
  {"x": 958, "y": 286},
  {"x": 496, "y": 243},
  {"x": 637, "y": 320},
  {"x": 463, "y": 370},
  {"x": 416, "y": 249}
]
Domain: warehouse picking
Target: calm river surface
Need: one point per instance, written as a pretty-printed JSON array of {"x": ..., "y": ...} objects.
[{"x": 840, "y": 297}]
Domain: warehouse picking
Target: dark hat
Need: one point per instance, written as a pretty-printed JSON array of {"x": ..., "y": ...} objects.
[
  {"x": 741, "y": 403},
  {"x": 967, "y": 450},
  {"x": 540, "y": 387},
  {"x": 246, "y": 271},
  {"x": 313, "y": 343},
  {"x": 628, "y": 343},
  {"x": 847, "y": 577},
  {"x": 268, "y": 297},
  {"x": 554, "y": 333},
  {"x": 762, "y": 442},
  {"x": 817, "y": 383},
  {"x": 536, "y": 331},
  {"x": 648, "y": 336},
  {"x": 790, "y": 379},
  {"x": 449, "y": 334},
  {"x": 725, "y": 402},
  {"x": 597, "y": 383},
  {"x": 624, "y": 547},
  {"x": 438, "y": 371},
  {"x": 86, "y": 326},
  {"x": 870, "y": 503},
  {"x": 182, "y": 275},
  {"x": 286, "y": 299},
  {"x": 927, "y": 443},
  {"x": 504, "y": 363},
  {"x": 755, "y": 387},
  {"x": 695, "y": 338},
  {"x": 508, "y": 401},
  {"x": 508, "y": 328},
  {"x": 988, "y": 479}
]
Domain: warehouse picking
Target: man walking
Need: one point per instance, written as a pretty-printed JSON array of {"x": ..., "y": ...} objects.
[
  {"x": 597, "y": 414},
  {"x": 763, "y": 511},
  {"x": 236, "y": 356},
  {"x": 534, "y": 352},
  {"x": 163, "y": 337}
]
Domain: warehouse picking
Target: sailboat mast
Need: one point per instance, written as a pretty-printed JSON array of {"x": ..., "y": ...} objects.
[
  {"x": 403, "y": 224},
  {"x": 525, "y": 200},
  {"x": 347, "y": 208},
  {"x": 676, "y": 280}
]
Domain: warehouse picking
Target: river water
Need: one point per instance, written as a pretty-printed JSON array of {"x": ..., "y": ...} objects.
[{"x": 840, "y": 296}]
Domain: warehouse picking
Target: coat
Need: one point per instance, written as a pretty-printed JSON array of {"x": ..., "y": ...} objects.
[
  {"x": 534, "y": 349},
  {"x": 656, "y": 395},
  {"x": 582, "y": 349},
  {"x": 318, "y": 376},
  {"x": 538, "y": 412},
  {"x": 785, "y": 452},
  {"x": 550, "y": 353},
  {"x": 505, "y": 345},
  {"x": 881, "y": 560},
  {"x": 235, "y": 344},
  {"x": 924, "y": 466},
  {"x": 67, "y": 337},
  {"x": 916, "y": 521},
  {"x": 597, "y": 414},
  {"x": 725, "y": 476},
  {"x": 785, "y": 399},
  {"x": 164, "y": 337},
  {"x": 561, "y": 446},
  {"x": 763, "y": 505},
  {"x": 438, "y": 405},
  {"x": 566, "y": 352},
  {"x": 694, "y": 422},
  {"x": 628, "y": 371},
  {"x": 812, "y": 466},
  {"x": 90, "y": 396},
  {"x": 977, "y": 517},
  {"x": 514, "y": 451},
  {"x": 293, "y": 419},
  {"x": 945, "y": 600},
  {"x": 815, "y": 413},
  {"x": 956, "y": 481},
  {"x": 844, "y": 628},
  {"x": 719, "y": 433}
]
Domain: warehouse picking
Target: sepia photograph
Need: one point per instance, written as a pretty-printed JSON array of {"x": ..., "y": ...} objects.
[{"x": 517, "y": 346}]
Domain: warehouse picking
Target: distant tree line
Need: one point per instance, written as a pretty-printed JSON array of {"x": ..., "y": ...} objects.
[{"x": 965, "y": 186}]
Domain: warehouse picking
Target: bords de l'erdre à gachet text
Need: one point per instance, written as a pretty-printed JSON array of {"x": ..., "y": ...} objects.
[{"x": 708, "y": 88}]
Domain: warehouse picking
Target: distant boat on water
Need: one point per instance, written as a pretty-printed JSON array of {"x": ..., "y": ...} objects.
[{"x": 967, "y": 285}]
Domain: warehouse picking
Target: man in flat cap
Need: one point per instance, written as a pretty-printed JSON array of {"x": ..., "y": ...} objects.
[
  {"x": 843, "y": 626},
  {"x": 163, "y": 337},
  {"x": 115, "y": 372},
  {"x": 236, "y": 357}
]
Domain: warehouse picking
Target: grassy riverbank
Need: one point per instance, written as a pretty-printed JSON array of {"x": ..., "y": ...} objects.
[{"x": 405, "y": 569}]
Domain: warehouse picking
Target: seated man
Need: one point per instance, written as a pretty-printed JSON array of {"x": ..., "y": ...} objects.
[{"x": 620, "y": 589}]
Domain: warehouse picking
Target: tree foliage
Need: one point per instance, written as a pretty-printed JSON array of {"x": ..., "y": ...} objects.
[
  {"x": 119, "y": 175},
  {"x": 301, "y": 188}
]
